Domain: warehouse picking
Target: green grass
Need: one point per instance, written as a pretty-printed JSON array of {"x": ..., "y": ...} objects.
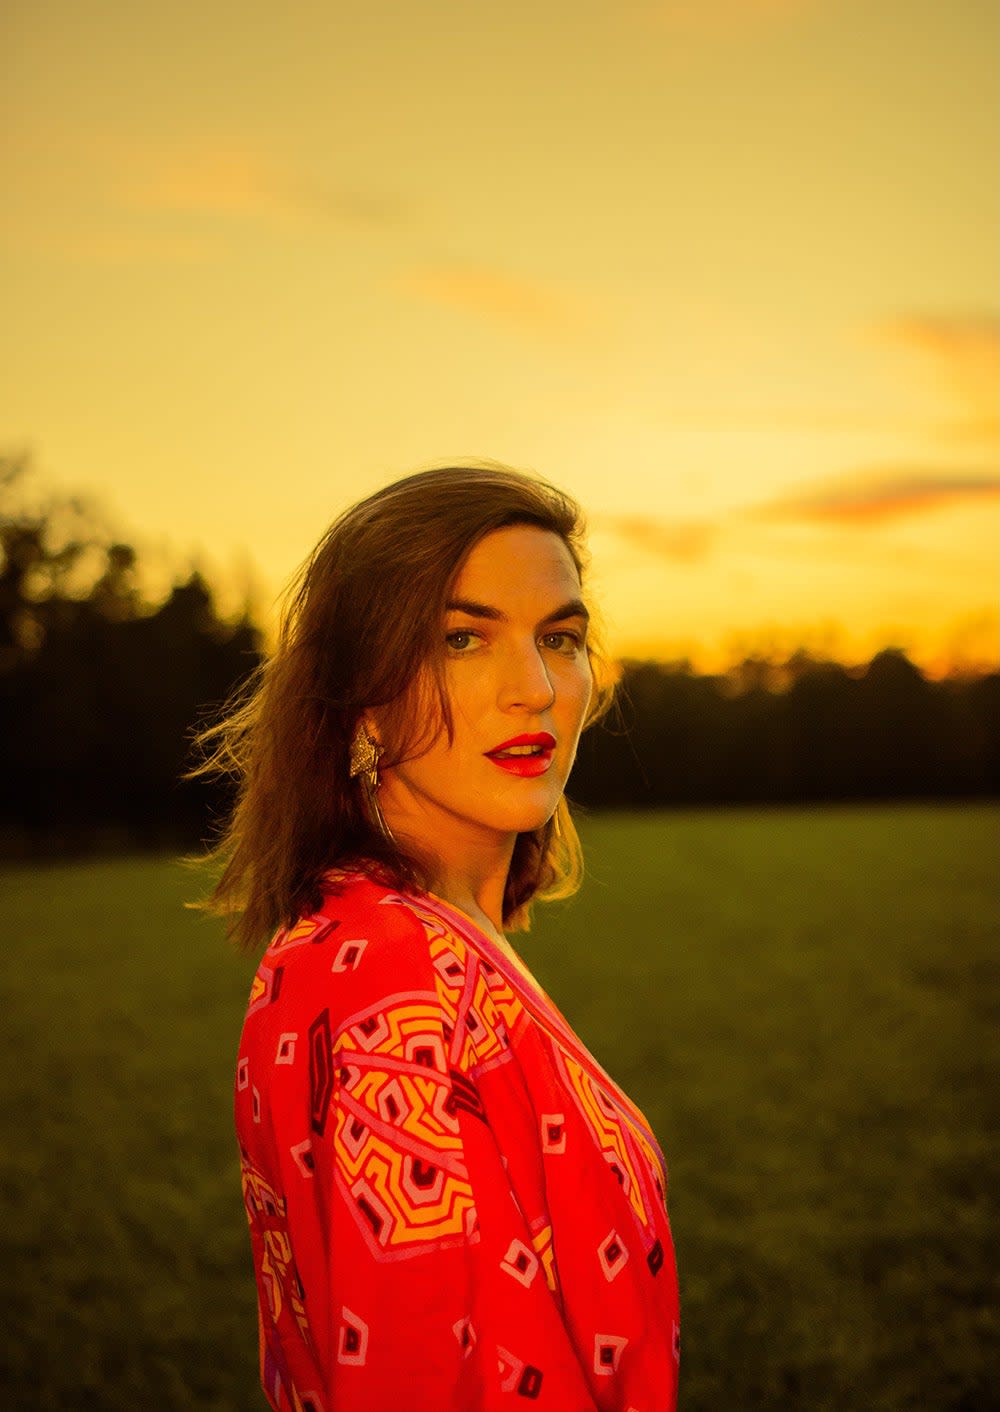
[{"x": 803, "y": 1002}]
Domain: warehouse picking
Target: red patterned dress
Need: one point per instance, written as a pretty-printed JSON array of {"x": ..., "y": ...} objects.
[{"x": 452, "y": 1207}]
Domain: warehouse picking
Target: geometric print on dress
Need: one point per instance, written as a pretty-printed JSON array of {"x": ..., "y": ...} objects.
[
  {"x": 266, "y": 984},
  {"x": 480, "y": 1005},
  {"x": 397, "y": 1148},
  {"x": 265, "y": 987},
  {"x": 306, "y": 929},
  {"x": 267, "y": 1211},
  {"x": 541, "y": 1241},
  {"x": 519, "y": 1377},
  {"x": 625, "y": 1148}
]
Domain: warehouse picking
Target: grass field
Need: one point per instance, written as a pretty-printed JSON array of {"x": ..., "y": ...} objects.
[{"x": 805, "y": 1004}]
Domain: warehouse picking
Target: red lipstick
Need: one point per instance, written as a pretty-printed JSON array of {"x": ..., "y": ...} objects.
[{"x": 524, "y": 755}]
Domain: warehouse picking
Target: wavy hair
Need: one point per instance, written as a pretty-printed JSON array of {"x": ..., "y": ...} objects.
[{"x": 361, "y": 621}]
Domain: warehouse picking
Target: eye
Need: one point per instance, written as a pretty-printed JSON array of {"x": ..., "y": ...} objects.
[
  {"x": 565, "y": 641},
  {"x": 460, "y": 640}
]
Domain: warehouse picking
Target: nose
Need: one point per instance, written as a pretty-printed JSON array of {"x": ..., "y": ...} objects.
[{"x": 525, "y": 682}]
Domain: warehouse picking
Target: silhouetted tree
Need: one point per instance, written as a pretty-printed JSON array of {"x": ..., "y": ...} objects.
[
  {"x": 802, "y": 730},
  {"x": 99, "y": 692}
]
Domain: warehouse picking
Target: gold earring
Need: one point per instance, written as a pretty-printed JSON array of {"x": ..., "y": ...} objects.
[{"x": 365, "y": 755}]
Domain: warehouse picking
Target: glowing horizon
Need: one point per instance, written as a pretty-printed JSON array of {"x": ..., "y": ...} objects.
[{"x": 726, "y": 273}]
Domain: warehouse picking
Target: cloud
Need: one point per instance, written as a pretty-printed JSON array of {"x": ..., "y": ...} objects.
[
  {"x": 510, "y": 300},
  {"x": 865, "y": 498},
  {"x": 682, "y": 541},
  {"x": 952, "y": 336},
  {"x": 151, "y": 200},
  {"x": 877, "y": 496},
  {"x": 204, "y": 179},
  {"x": 220, "y": 178},
  {"x": 961, "y": 352}
]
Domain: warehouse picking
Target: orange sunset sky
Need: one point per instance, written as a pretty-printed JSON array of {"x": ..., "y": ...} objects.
[{"x": 725, "y": 270}]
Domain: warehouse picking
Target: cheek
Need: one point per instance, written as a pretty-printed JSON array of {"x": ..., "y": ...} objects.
[
  {"x": 578, "y": 691},
  {"x": 470, "y": 696}
]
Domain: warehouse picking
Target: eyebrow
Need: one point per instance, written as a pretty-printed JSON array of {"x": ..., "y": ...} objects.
[{"x": 573, "y": 609}]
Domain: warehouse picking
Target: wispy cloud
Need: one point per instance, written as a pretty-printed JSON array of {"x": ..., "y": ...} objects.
[
  {"x": 228, "y": 177},
  {"x": 866, "y": 498},
  {"x": 961, "y": 352},
  {"x": 216, "y": 180},
  {"x": 131, "y": 197},
  {"x": 955, "y": 337},
  {"x": 683, "y": 541},
  {"x": 510, "y": 300},
  {"x": 877, "y": 496},
  {"x": 231, "y": 179}
]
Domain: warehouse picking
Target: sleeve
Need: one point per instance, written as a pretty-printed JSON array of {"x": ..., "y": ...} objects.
[{"x": 396, "y": 1269}]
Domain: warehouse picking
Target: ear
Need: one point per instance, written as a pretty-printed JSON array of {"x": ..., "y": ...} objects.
[{"x": 370, "y": 726}]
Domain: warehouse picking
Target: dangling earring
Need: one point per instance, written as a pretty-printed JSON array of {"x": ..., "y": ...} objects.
[{"x": 365, "y": 755}]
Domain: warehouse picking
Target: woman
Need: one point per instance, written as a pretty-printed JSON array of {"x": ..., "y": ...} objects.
[{"x": 452, "y": 1207}]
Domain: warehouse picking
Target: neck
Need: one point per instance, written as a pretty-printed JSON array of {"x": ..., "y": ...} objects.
[
  {"x": 476, "y": 887},
  {"x": 468, "y": 867}
]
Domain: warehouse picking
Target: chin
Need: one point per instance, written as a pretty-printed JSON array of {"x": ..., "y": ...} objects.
[{"x": 527, "y": 820}]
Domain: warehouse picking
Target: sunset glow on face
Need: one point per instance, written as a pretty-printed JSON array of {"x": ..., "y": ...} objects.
[
  {"x": 724, "y": 271},
  {"x": 519, "y": 683}
]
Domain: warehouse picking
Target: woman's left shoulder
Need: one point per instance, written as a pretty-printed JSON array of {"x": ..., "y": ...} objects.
[{"x": 363, "y": 940}]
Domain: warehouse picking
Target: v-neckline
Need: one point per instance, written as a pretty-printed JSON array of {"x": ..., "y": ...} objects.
[
  {"x": 506, "y": 950},
  {"x": 540, "y": 1005}
]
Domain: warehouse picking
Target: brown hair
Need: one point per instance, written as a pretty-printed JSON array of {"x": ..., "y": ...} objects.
[{"x": 361, "y": 619}]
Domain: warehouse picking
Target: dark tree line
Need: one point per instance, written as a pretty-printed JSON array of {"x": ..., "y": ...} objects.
[
  {"x": 100, "y": 693},
  {"x": 801, "y": 731}
]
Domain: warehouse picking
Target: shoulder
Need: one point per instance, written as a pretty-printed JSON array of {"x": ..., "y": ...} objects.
[
  {"x": 364, "y": 944},
  {"x": 358, "y": 917}
]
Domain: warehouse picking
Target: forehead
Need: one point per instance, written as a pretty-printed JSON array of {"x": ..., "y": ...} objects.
[{"x": 519, "y": 563}]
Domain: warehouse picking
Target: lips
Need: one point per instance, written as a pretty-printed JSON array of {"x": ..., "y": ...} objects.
[{"x": 524, "y": 755}]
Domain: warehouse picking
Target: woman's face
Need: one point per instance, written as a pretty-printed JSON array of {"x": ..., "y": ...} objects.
[{"x": 519, "y": 683}]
